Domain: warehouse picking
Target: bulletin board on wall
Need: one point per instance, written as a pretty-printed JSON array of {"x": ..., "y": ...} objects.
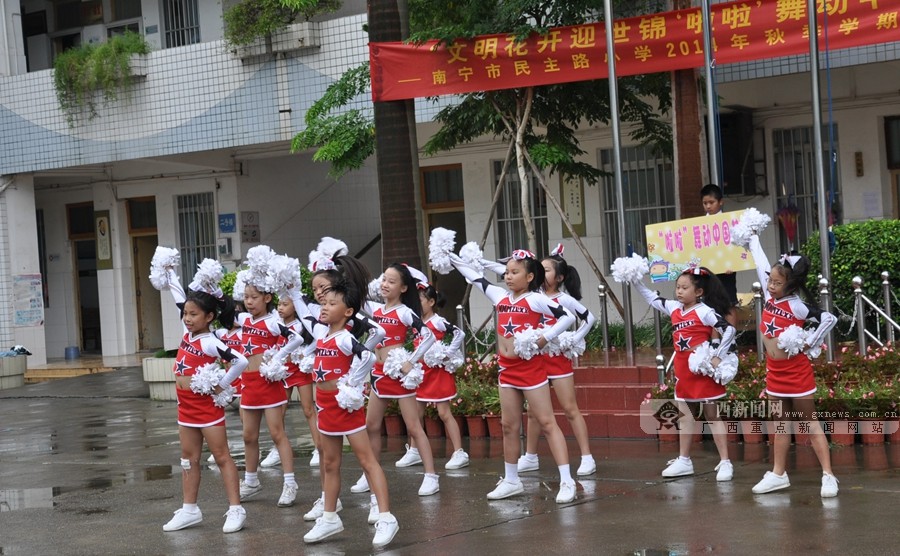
[
  {"x": 104, "y": 242},
  {"x": 571, "y": 194}
]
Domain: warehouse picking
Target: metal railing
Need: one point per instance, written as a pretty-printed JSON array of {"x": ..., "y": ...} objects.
[{"x": 863, "y": 335}]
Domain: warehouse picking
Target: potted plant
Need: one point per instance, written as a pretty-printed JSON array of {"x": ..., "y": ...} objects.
[
  {"x": 108, "y": 69},
  {"x": 393, "y": 421},
  {"x": 259, "y": 27},
  {"x": 658, "y": 395},
  {"x": 157, "y": 373}
]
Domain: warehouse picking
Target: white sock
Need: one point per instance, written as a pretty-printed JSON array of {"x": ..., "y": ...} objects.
[
  {"x": 289, "y": 479},
  {"x": 531, "y": 457},
  {"x": 726, "y": 460},
  {"x": 373, "y": 501},
  {"x": 587, "y": 459},
  {"x": 388, "y": 516},
  {"x": 414, "y": 451},
  {"x": 434, "y": 476},
  {"x": 251, "y": 478},
  {"x": 190, "y": 508},
  {"x": 565, "y": 474},
  {"x": 330, "y": 517},
  {"x": 238, "y": 507},
  {"x": 685, "y": 459},
  {"x": 512, "y": 472}
]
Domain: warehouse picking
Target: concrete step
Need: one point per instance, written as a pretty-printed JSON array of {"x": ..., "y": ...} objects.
[{"x": 44, "y": 374}]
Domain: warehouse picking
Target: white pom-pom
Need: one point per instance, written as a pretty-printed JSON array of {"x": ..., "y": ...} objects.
[
  {"x": 525, "y": 343},
  {"x": 629, "y": 269},
  {"x": 375, "y": 289},
  {"x": 699, "y": 361},
  {"x": 206, "y": 378},
  {"x": 271, "y": 368},
  {"x": 454, "y": 361},
  {"x": 414, "y": 377},
  {"x": 331, "y": 247},
  {"x": 570, "y": 345},
  {"x": 206, "y": 279},
  {"x": 393, "y": 365},
  {"x": 472, "y": 255},
  {"x": 259, "y": 259},
  {"x": 349, "y": 397},
  {"x": 223, "y": 398},
  {"x": 436, "y": 355},
  {"x": 727, "y": 369},
  {"x": 240, "y": 285},
  {"x": 283, "y": 274},
  {"x": 307, "y": 363},
  {"x": 792, "y": 340},
  {"x": 751, "y": 222},
  {"x": 440, "y": 246},
  {"x": 813, "y": 352},
  {"x": 164, "y": 258},
  {"x": 553, "y": 347}
]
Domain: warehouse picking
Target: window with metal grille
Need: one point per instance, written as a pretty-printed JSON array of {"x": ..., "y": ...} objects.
[
  {"x": 182, "y": 22},
  {"x": 510, "y": 227},
  {"x": 648, "y": 185},
  {"x": 196, "y": 231},
  {"x": 795, "y": 183}
]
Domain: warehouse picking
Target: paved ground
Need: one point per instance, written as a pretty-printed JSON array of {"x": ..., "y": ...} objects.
[{"x": 89, "y": 465}]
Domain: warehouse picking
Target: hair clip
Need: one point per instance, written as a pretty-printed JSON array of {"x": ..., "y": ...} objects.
[
  {"x": 789, "y": 260},
  {"x": 558, "y": 250},
  {"x": 522, "y": 254},
  {"x": 696, "y": 271}
]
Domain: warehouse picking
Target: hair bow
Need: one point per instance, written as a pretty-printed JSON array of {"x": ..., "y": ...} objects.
[
  {"x": 789, "y": 260},
  {"x": 522, "y": 254},
  {"x": 696, "y": 271},
  {"x": 558, "y": 250}
]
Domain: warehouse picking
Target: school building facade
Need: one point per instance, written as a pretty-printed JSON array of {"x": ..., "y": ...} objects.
[{"x": 197, "y": 158}]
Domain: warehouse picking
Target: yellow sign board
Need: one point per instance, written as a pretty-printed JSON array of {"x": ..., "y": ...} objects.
[{"x": 675, "y": 246}]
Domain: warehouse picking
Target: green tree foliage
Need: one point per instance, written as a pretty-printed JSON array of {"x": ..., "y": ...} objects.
[{"x": 864, "y": 249}]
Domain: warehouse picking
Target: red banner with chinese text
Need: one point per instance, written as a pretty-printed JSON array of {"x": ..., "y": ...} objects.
[{"x": 742, "y": 31}]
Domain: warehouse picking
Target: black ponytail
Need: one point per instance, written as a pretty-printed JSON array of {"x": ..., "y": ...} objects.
[{"x": 571, "y": 280}]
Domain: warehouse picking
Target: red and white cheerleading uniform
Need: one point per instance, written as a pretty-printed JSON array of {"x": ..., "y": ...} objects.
[
  {"x": 232, "y": 339},
  {"x": 295, "y": 377},
  {"x": 259, "y": 335},
  {"x": 792, "y": 377},
  {"x": 396, "y": 322},
  {"x": 691, "y": 328},
  {"x": 334, "y": 359},
  {"x": 531, "y": 310},
  {"x": 439, "y": 385},
  {"x": 560, "y": 366},
  {"x": 198, "y": 410}
]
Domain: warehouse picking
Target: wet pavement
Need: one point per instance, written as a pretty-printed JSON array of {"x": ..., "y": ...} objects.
[{"x": 90, "y": 465}]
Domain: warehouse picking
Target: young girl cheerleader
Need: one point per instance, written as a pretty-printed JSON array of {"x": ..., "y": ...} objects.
[
  {"x": 700, "y": 375},
  {"x": 296, "y": 379},
  {"x": 789, "y": 373},
  {"x": 397, "y": 376},
  {"x": 557, "y": 274},
  {"x": 342, "y": 367},
  {"x": 260, "y": 396},
  {"x": 439, "y": 385},
  {"x": 202, "y": 393},
  {"x": 523, "y": 376}
]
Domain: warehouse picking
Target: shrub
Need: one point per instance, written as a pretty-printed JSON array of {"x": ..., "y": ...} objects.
[{"x": 251, "y": 19}]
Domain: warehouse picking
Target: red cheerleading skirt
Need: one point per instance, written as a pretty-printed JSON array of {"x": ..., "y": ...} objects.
[
  {"x": 387, "y": 387},
  {"x": 437, "y": 386},
  {"x": 334, "y": 420},
  {"x": 523, "y": 374},
  {"x": 558, "y": 366},
  {"x": 297, "y": 377},
  {"x": 259, "y": 393},
  {"x": 198, "y": 410},
  {"x": 690, "y": 387},
  {"x": 790, "y": 378}
]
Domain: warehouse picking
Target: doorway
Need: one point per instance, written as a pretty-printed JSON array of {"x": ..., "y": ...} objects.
[
  {"x": 149, "y": 304},
  {"x": 452, "y": 285},
  {"x": 87, "y": 294}
]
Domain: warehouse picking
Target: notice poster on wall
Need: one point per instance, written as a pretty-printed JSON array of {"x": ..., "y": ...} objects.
[
  {"x": 28, "y": 304},
  {"x": 104, "y": 244}
]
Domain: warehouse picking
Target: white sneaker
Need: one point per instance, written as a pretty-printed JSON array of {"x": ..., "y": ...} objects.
[
  {"x": 183, "y": 519},
  {"x": 234, "y": 520},
  {"x": 725, "y": 471},
  {"x": 373, "y": 510},
  {"x": 505, "y": 489},
  {"x": 430, "y": 485},
  {"x": 318, "y": 509},
  {"x": 211, "y": 459},
  {"x": 829, "y": 485},
  {"x": 587, "y": 467},
  {"x": 362, "y": 485},
  {"x": 566, "y": 492},
  {"x": 678, "y": 468},
  {"x": 288, "y": 495},
  {"x": 314, "y": 460},
  {"x": 271, "y": 460},
  {"x": 410, "y": 458},
  {"x": 249, "y": 491},
  {"x": 458, "y": 460},
  {"x": 772, "y": 482},
  {"x": 526, "y": 464},
  {"x": 323, "y": 529},
  {"x": 385, "y": 531}
]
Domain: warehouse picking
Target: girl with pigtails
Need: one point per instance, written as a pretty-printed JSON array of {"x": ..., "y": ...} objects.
[
  {"x": 789, "y": 348},
  {"x": 701, "y": 371},
  {"x": 203, "y": 389},
  {"x": 521, "y": 311}
]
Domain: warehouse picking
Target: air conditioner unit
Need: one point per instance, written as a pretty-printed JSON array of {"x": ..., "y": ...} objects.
[{"x": 297, "y": 36}]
